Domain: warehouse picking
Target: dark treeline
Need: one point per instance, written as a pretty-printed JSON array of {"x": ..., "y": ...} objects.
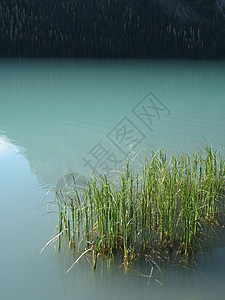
[{"x": 109, "y": 28}]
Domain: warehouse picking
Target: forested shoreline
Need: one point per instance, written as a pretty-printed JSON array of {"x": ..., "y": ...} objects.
[{"x": 109, "y": 28}]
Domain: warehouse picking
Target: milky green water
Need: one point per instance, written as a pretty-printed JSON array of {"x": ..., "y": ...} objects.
[{"x": 83, "y": 115}]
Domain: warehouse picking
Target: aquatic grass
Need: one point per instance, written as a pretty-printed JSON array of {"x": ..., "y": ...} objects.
[{"x": 167, "y": 208}]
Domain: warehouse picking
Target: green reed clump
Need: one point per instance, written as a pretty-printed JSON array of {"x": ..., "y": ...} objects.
[{"x": 165, "y": 206}]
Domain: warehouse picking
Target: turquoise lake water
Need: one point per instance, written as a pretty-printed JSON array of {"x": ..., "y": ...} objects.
[{"x": 58, "y": 116}]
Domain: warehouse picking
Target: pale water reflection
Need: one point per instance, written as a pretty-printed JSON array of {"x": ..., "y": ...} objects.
[
  {"x": 62, "y": 115},
  {"x": 7, "y": 147}
]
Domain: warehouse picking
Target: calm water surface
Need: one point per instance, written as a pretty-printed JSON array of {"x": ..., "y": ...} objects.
[{"x": 83, "y": 115}]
